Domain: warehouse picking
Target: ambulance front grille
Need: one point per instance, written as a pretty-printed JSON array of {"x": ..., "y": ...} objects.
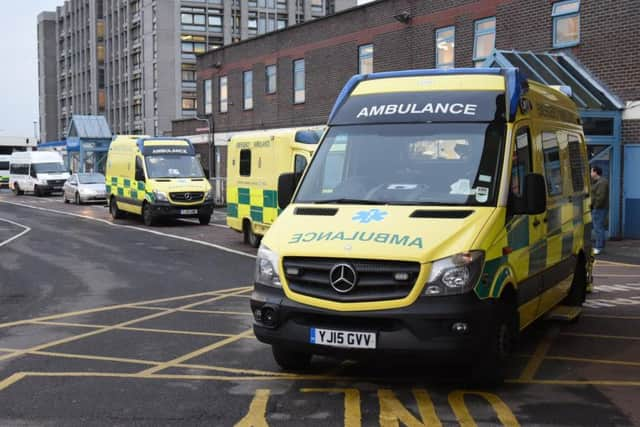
[
  {"x": 376, "y": 280},
  {"x": 188, "y": 196}
]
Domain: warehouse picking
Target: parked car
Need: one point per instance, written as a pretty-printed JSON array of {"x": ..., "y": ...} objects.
[{"x": 84, "y": 187}]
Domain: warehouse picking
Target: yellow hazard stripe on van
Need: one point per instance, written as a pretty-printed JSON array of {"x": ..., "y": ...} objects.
[
  {"x": 430, "y": 84},
  {"x": 258, "y": 205},
  {"x": 567, "y": 229},
  {"x": 126, "y": 188}
]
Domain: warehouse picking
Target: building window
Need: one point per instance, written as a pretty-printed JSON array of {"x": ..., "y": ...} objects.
[
  {"x": 271, "y": 79},
  {"x": 566, "y": 23},
  {"x": 445, "y": 45},
  {"x": 298, "y": 81},
  {"x": 188, "y": 73},
  {"x": 317, "y": 7},
  {"x": 208, "y": 105},
  {"x": 247, "y": 90},
  {"x": 252, "y": 23},
  {"x": 282, "y": 24},
  {"x": 484, "y": 39},
  {"x": 223, "y": 94},
  {"x": 365, "y": 59},
  {"x": 189, "y": 103},
  {"x": 215, "y": 23}
]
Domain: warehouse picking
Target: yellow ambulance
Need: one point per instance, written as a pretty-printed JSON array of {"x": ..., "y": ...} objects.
[
  {"x": 443, "y": 212},
  {"x": 156, "y": 177},
  {"x": 254, "y": 163}
]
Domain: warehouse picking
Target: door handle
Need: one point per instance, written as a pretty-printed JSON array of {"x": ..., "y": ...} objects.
[{"x": 536, "y": 222}]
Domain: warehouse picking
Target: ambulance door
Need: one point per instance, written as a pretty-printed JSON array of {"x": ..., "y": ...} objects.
[{"x": 525, "y": 233}]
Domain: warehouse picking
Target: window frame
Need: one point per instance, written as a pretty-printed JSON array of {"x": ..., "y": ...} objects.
[
  {"x": 273, "y": 67},
  {"x": 223, "y": 102},
  {"x": 304, "y": 74},
  {"x": 207, "y": 91},
  {"x": 452, "y": 64},
  {"x": 556, "y": 16},
  {"x": 247, "y": 101},
  {"x": 477, "y": 32},
  {"x": 242, "y": 163},
  {"x": 361, "y": 57}
]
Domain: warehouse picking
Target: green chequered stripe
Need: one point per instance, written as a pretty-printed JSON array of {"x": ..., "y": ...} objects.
[
  {"x": 258, "y": 205},
  {"x": 232, "y": 210},
  {"x": 270, "y": 198},
  {"x": 256, "y": 213},
  {"x": 244, "y": 196},
  {"x": 126, "y": 188}
]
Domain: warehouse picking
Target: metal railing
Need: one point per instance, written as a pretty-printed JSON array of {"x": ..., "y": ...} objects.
[{"x": 219, "y": 187}]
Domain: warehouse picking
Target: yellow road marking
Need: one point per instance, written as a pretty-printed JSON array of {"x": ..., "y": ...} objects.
[
  {"x": 538, "y": 357},
  {"x": 461, "y": 411},
  {"x": 234, "y": 313},
  {"x": 596, "y": 361},
  {"x": 120, "y": 306},
  {"x": 615, "y": 275},
  {"x": 605, "y": 316},
  {"x": 154, "y": 330},
  {"x": 11, "y": 380},
  {"x": 613, "y": 337},
  {"x": 392, "y": 411},
  {"x": 256, "y": 417},
  {"x": 578, "y": 382},
  {"x": 110, "y": 328},
  {"x": 609, "y": 263},
  {"x": 198, "y": 352}
]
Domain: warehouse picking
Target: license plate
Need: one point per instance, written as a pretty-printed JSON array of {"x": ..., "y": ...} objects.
[
  {"x": 348, "y": 339},
  {"x": 188, "y": 211}
]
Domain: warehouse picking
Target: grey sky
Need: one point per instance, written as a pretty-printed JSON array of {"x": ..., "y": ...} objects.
[{"x": 19, "y": 71}]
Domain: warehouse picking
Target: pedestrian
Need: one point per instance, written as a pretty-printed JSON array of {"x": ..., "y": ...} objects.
[{"x": 599, "y": 207}]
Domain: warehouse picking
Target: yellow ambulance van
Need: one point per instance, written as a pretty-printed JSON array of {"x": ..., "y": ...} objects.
[
  {"x": 254, "y": 163},
  {"x": 156, "y": 177},
  {"x": 443, "y": 212}
]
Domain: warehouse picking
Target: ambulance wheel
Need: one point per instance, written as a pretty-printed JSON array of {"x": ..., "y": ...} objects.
[
  {"x": 204, "y": 219},
  {"x": 250, "y": 237},
  {"x": 290, "y": 360},
  {"x": 16, "y": 190},
  {"x": 578, "y": 291},
  {"x": 113, "y": 209},
  {"x": 491, "y": 369},
  {"x": 147, "y": 216}
]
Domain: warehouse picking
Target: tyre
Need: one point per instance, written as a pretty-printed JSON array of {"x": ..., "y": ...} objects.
[
  {"x": 578, "y": 291},
  {"x": 290, "y": 360},
  {"x": 77, "y": 200},
  {"x": 37, "y": 191},
  {"x": 113, "y": 209},
  {"x": 250, "y": 237},
  {"x": 147, "y": 216},
  {"x": 16, "y": 190},
  {"x": 491, "y": 369},
  {"x": 204, "y": 219}
]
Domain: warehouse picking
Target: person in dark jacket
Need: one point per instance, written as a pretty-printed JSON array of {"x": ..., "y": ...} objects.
[{"x": 599, "y": 207}]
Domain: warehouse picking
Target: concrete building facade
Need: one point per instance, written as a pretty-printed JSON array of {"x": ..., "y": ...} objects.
[
  {"x": 313, "y": 61},
  {"x": 47, "y": 75},
  {"x": 135, "y": 60}
]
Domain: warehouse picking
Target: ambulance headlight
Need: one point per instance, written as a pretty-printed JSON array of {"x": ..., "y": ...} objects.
[
  {"x": 454, "y": 275},
  {"x": 160, "y": 196},
  {"x": 267, "y": 268}
]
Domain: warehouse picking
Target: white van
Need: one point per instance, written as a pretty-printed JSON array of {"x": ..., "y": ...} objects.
[
  {"x": 42, "y": 172},
  {"x": 4, "y": 170}
]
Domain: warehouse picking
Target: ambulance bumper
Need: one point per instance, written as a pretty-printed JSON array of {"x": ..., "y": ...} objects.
[
  {"x": 166, "y": 209},
  {"x": 430, "y": 327}
]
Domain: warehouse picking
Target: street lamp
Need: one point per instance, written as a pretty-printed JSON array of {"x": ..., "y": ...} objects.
[{"x": 212, "y": 146}]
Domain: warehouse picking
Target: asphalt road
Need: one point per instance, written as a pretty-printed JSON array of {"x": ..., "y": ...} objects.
[{"x": 104, "y": 324}]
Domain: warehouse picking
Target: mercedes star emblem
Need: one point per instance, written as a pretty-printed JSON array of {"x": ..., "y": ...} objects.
[
  {"x": 343, "y": 278},
  {"x": 187, "y": 196}
]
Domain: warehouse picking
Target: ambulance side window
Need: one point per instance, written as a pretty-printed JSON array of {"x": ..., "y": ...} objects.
[
  {"x": 552, "y": 166},
  {"x": 521, "y": 162},
  {"x": 139, "y": 173},
  {"x": 299, "y": 164},
  {"x": 245, "y": 162}
]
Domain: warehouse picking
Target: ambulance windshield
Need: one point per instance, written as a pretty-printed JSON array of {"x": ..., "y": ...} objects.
[
  {"x": 407, "y": 164},
  {"x": 173, "y": 166}
]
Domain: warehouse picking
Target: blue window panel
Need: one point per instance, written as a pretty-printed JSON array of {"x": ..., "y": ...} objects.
[{"x": 484, "y": 40}]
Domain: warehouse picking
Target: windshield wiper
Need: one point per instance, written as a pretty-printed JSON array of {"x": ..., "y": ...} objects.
[{"x": 345, "y": 201}]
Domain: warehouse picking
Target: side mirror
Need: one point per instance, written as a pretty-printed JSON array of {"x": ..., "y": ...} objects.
[
  {"x": 287, "y": 183},
  {"x": 140, "y": 175}
]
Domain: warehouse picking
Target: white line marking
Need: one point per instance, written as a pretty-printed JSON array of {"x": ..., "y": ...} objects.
[
  {"x": 26, "y": 230},
  {"x": 158, "y": 233}
]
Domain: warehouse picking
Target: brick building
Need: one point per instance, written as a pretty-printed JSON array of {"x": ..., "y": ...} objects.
[{"x": 292, "y": 77}]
